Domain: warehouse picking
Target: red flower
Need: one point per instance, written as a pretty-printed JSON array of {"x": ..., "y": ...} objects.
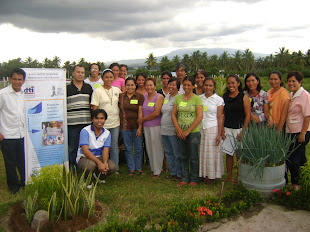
[
  {"x": 209, "y": 212},
  {"x": 172, "y": 222},
  {"x": 216, "y": 204},
  {"x": 275, "y": 190},
  {"x": 202, "y": 213},
  {"x": 208, "y": 202},
  {"x": 288, "y": 193}
]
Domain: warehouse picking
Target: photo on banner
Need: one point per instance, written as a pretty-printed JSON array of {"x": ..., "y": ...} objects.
[{"x": 46, "y": 119}]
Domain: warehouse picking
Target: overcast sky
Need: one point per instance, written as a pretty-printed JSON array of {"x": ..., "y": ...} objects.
[{"x": 101, "y": 30}]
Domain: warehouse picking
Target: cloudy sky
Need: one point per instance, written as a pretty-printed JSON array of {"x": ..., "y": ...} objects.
[{"x": 101, "y": 30}]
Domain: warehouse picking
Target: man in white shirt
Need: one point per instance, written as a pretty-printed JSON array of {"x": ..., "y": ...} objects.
[
  {"x": 12, "y": 130},
  {"x": 181, "y": 71}
]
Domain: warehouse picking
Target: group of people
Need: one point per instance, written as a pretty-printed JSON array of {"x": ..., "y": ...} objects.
[{"x": 185, "y": 121}]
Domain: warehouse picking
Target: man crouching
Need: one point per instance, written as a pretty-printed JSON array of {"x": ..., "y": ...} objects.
[{"x": 95, "y": 142}]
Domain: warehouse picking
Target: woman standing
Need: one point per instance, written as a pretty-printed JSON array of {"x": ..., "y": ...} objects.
[
  {"x": 106, "y": 97},
  {"x": 258, "y": 98},
  {"x": 165, "y": 77},
  {"x": 200, "y": 76},
  {"x": 140, "y": 79},
  {"x": 237, "y": 111},
  {"x": 130, "y": 104},
  {"x": 117, "y": 82},
  {"x": 186, "y": 117},
  {"x": 297, "y": 124},
  {"x": 123, "y": 69},
  {"x": 169, "y": 139},
  {"x": 151, "y": 109},
  {"x": 211, "y": 154},
  {"x": 277, "y": 98}
]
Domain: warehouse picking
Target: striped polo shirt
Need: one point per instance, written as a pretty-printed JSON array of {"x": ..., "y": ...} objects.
[{"x": 78, "y": 104}]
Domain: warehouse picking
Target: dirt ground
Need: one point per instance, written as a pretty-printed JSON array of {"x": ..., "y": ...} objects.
[{"x": 268, "y": 218}]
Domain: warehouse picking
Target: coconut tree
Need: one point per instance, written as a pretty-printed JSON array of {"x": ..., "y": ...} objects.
[{"x": 150, "y": 62}]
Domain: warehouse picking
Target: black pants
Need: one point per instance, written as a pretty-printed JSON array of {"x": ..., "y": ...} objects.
[
  {"x": 298, "y": 157},
  {"x": 14, "y": 157}
]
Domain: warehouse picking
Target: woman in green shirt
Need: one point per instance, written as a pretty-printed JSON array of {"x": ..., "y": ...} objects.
[{"x": 186, "y": 117}]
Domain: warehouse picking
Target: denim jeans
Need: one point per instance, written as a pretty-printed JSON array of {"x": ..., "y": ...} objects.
[
  {"x": 114, "y": 152},
  {"x": 14, "y": 157},
  {"x": 171, "y": 148},
  {"x": 129, "y": 138},
  {"x": 73, "y": 143},
  {"x": 189, "y": 150}
]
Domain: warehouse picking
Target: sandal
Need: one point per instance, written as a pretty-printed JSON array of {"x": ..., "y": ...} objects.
[
  {"x": 141, "y": 173},
  {"x": 131, "y": 173},
  {"x": 182, "y": 183}
]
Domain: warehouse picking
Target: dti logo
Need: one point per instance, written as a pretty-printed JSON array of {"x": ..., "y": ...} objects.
[{"x": 29, "y": 91}]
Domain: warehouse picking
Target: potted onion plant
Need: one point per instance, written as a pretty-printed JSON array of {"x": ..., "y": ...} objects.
[{"x": 262, "y": 153}]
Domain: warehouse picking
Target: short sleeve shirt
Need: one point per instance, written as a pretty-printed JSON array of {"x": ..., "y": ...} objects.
[
  {"x": 299, "y": 108},
  {"x": 95, "y": 144},
  {"x": 129, "y": 110},
  {"x": 108, "y": 100},
  {"x": 210, "y": 106},
  {"x": 94, "y": 84},
  {"x": 120, "y": 82},
  {"x": 187, "y": 111},
  {"x": 257, "y": 104}
]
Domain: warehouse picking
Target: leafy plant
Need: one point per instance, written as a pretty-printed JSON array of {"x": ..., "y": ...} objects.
[
  {"x": 262, "y": 147},
  {"x": 31, "y": 207},
  {"x": 305, "y": 177}
]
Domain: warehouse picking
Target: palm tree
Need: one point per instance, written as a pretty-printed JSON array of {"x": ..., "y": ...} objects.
[
  {"x": 176, "y": 59},
  {"x": 195, "y": 60},
  {"x": 56, "y": 62},
  {"x": 237, "y": 60},
  {"x": 282, "y": 58},
  {"x": 165, "y": 64},
  {"x": 150, "y": 62},
  {"x": 248, "y": 60},
  {"x": 224, "y": 59}
]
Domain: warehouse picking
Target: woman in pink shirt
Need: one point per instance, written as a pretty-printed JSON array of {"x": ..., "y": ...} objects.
[
  {"x": 297, "y": 124},
  {"x": 118, "y": 82}
]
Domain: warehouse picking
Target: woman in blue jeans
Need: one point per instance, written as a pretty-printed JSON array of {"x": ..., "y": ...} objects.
[
  {"x": 169, "y": 138},
  {"x": 186, "y": 117},
  {"x": 130, "y": 104}
]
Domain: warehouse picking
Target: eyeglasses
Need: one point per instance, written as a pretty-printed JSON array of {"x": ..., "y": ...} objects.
[{"x": 94, "y": 69}]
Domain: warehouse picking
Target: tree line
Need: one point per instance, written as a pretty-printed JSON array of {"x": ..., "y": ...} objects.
[{"x": 240, "y": 62}]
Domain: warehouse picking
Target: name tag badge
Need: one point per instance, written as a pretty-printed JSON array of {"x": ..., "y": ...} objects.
[
  {"x": 166, "y": 101},
  {"x": 205, "y": 108},
  {"x": 151, "y": 104},
  {"x": 133, "y": 102},
  {"x": 96, "y": 86},
  {"x": 183, "y": 104}
]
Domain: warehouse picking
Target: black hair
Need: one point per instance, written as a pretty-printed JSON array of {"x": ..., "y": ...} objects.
[
  {"x": 166, "y": 73},
  {"x": 298, "y": 75},
  {"x": 211, "y": 79},
  {"x": 95, "y": 113},
  {"x": 189, "y": 78},
  {"x": 94, "y": 64},
  {"x": 113, "y": 64},
  {"x": 78, "y": 65},
  {"x": 259, "y": 86},
  {"x": 130, "y": 79},
  {"x": 123, "y": 65},
  {"x": 238, "y": 81},
  {"x": 141, "y": 74},
  {"x": 18, "y": 71},
  {"x": 279, "y": 74},
  {"x": 172, "y": 79},
  {"x": 201, "y": 71}
]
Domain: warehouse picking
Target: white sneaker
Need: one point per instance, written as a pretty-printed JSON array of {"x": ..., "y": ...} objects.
[{"x": 97, "y": 179}]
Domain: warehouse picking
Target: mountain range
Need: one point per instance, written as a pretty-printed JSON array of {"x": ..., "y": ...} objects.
[{"x": 181, "y": 52}]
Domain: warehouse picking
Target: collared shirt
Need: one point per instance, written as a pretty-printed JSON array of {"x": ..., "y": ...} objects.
[
  {"x": 299, "y": 108},
  {"x": 78, "y": 104},
  {"x": 95, "y": 144},
  {"x": 129, "y": 110},
  {"x": 210, "y": 106},
  {"x": 12, "y": 115}
]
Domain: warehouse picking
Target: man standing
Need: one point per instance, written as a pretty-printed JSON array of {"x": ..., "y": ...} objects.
[
  {"x": 12, "y": 131},
  {"x": 78, "y": 110},
  {"x": 95, "y": 81},
  {"x": 181, "y": 74}
]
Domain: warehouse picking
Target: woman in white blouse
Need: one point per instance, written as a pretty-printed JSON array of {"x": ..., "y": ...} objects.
[{"x": 211, "y": 156}]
